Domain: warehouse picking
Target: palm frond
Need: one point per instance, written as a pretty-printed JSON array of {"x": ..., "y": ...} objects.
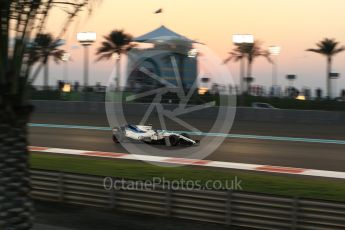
[
  {"x": 117, "y": 41},
  {"x": 57, "y": 55},
  {"x": 227, "y": 60},
  {"x": 327, "y": 47},
  {"x": 235, "y": 55},
  {"x": 104, "y": 56},
  {"x": 338, "y": 50}
]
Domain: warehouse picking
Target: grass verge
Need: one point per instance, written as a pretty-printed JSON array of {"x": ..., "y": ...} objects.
[{"x": 279, "y": 184}]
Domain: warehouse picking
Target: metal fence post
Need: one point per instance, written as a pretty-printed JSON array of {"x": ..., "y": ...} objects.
[
  {"x": 112, "y": 196},
  {"x": 61, "y": 186},
  {"x": 228, "y": 207},
  {"x": 168, "y": 202},
  {"x": 294, "y": 218}
]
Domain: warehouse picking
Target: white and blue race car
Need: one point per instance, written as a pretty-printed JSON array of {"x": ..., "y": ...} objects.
[{"x": 146, "y": 134}]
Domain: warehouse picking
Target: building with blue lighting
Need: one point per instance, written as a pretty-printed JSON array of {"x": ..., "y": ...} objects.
[{"x": 170, "y": 57}]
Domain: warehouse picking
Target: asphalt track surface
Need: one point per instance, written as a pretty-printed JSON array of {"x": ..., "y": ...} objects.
[{"x": 320, "y": 156}]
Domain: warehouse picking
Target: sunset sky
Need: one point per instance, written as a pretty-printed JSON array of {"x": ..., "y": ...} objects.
[{"x": 295, "y": 25}]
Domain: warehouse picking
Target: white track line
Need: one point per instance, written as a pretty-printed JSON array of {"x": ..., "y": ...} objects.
[{"x": 187, "y": 161}]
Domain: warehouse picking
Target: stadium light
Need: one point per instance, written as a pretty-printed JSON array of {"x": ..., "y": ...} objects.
[
  {"x": 86, "y": 39},
  {"x": 274, "y": 51},
  {"x": 242, "y": 38}
]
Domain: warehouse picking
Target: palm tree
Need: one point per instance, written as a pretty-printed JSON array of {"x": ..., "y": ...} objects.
[
  {"x": 44, "y": 47},
  {"x": 248, "y": 51},
  {"x": 328, "y": 47},
  {"x": 21, "y": 21},
  {"x": 252, "y": 51},
  {"x": 116, "y": 43},
  {"x": 237, "y": 55}
]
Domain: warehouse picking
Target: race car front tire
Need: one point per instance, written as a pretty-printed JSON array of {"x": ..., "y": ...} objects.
[{"x": 115, "y": 140}]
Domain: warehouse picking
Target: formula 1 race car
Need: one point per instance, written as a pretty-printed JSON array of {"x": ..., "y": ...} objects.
[{"x": 146, "y": 134}]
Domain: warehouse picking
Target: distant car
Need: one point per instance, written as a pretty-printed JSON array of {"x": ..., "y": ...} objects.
[
  {"x": 260, "y": 105},
  {"x": 146, "y": 134},
  {"x": 339, "y": 99}
]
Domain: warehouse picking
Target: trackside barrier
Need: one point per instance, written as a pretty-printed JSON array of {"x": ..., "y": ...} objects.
[
  {"x": 233, "y": 208},
  {"x": 242, "y": 113}
]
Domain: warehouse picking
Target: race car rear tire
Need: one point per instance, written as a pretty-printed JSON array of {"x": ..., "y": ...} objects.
[
  {"x": 174, "y": 140},
  {"x": 115, "y": 140}
]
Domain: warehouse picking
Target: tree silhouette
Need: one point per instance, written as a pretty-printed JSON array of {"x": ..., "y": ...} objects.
[
  {"x": 44, "y": 47},
  {"x": 248, "y": 51},
  {"x": 21, "y": 21},
  {"x": 117, "y": 42},
  {"x": 328, "y": 47}
]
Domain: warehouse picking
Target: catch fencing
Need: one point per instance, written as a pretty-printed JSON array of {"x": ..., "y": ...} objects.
[{"x": 233, "y": 208}]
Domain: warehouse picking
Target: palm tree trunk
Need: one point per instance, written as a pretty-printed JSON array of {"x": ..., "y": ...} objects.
[
  {"x": 328, "y": 83},
  {"x": 46, "y": 74},
  {"x": 242, "y": 74},
  {"x": 118, "y": 72},
  {"x": 15, "y": 203},
  {"x": 35, "y": 74},
  {"x": 249, "y": 76}
]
